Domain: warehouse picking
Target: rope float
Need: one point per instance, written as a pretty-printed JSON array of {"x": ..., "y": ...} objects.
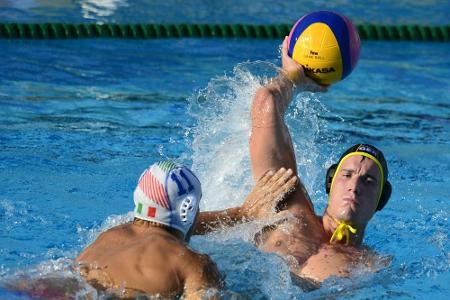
[{"x": 156, "y": 31}]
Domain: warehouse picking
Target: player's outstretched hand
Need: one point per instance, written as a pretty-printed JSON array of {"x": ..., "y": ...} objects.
[{"x": 270, "y": 189}]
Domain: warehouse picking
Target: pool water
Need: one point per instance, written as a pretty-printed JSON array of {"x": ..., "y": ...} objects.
[
  {"x": 81, "y": 119},
  {"x": 434, "y": 12}
]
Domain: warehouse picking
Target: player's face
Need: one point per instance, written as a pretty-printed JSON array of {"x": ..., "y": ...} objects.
[{"x": 355, "y": 190}]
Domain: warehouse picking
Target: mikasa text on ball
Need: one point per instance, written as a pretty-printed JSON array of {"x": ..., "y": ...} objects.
[{"x": 326, "y": 44}]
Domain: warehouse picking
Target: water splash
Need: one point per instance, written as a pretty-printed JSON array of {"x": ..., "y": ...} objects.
[
  {"x": 308, "y": 125},
  {"x": 100, "y": 9},
  {"x": 54, "y": 279},
  {"x": 219, "y": 138},
  {"x": 89, "y": 235},
  {"x": 14, "y": 214},
  {"x": 248, "y": 272}
]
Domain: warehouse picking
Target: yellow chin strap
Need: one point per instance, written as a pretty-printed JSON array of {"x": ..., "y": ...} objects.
[{"x": 343, "y": 230}]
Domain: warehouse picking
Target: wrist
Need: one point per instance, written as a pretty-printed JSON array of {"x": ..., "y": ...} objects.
[
  {"x": 237, "y": 213},
  {"x": 293, "y": 76}
]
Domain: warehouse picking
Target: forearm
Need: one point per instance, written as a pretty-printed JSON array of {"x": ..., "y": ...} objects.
[
  {"x": 212, "y": 220},
  {"x": 282, "y": 89}
]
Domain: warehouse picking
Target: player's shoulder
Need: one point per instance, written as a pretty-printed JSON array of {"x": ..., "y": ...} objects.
[
  {"x": 201, "y": 261},
  {"x": 204, "y": 272},
  {"x": 114, "y": 233}
]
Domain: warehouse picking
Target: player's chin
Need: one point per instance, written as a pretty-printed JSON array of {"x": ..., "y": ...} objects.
[{"x": 347, "y": 213}]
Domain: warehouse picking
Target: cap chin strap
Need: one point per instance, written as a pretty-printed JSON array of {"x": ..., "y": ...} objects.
[{"x": 343, "y": 230}]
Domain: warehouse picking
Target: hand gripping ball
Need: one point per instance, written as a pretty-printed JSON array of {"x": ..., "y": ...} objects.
[{"x": 326, "y": 44}]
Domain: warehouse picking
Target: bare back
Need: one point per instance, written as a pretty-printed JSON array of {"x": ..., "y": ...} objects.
[{"x": 129, "y": 260}]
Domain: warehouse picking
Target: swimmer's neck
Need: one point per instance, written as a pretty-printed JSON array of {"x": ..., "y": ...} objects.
[
  {"x": 146, "y": 227},
  {"x": 329, "y": 225}
]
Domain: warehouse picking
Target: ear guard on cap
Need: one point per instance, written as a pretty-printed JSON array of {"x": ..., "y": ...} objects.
[
  {"x": 385, "y": 194},
  {"x": 329, "y": 179},
  {"x": 188, "y": 209}
]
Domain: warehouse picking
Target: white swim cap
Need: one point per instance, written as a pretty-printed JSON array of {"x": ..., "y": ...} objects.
[{"x": 168, "y": 194}]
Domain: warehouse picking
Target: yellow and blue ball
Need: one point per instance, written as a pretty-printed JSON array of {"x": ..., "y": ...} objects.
[{"x": 326, "y": 44}]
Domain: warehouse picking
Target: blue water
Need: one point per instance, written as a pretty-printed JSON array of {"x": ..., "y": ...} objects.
[
  {"x": 433, "y": 12},
  {"x": 81, "y": 119}
]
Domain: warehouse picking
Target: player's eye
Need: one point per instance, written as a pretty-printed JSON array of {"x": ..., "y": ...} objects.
[
  {"x": 369, "y": 180},
  {"x": 346, "y": 174}
]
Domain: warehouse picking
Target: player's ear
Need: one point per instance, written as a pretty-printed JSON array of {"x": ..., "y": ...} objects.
[
  {"x": 385, "y": 195},
  {"x": 329, "y": 178}
]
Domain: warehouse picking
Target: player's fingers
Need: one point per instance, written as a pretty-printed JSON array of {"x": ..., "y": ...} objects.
[
  {"x": 284, "y": 214},
  {"x": 289, "y": 185},
  {"x": 279, "y": 194},
  {"x": 272, "y": 199},
  {"x": 265, "y": 177},
  {"x": 285, "y": 176},
  {"x": 279, "y": 174},
  {"x": 284, "y": 46}
]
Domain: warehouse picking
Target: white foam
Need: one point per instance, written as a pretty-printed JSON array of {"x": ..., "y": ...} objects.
[
  {"x": 219, "y": 139},
  {"x": 88, "y": 236}
]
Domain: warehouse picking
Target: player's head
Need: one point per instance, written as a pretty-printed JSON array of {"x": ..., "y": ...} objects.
[
  {"x": 168, "y": 194},
  {"x": 358, "y": 184}
]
